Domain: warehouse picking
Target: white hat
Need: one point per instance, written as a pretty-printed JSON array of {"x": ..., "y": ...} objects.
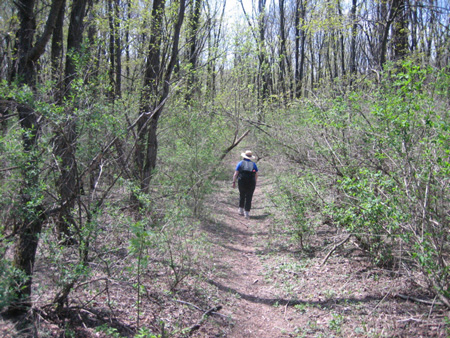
[{"x": 248, "y": 155}]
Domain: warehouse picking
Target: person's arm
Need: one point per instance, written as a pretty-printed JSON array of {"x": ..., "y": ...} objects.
[
  {"x": 236, "y": 173},
  {"x": 256, "y": 177}
]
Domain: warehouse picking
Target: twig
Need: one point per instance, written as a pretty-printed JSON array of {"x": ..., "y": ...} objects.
[
  {"x": 197, "y": 326},
  {"x": 409, "y": 319},
  {"x": 334, "y": 248},
  {"x": 418, "y": 300},
  {"x": 285, "y": 309},
  {"x": 381, "y": 301},
  {"x": 187, "y": 303},
  {"x": 10, "y": 168},
  {"x": 196, "y": 307},
  {"x": 432, "y": 306},
  {"x": 314, "y": 187}
]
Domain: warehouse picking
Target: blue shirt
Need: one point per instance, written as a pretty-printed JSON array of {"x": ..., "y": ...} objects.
[{"x": 255, "y": 168}]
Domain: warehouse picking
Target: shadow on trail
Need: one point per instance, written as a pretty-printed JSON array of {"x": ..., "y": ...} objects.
[
  {"x": 230, "y": 248},
  {"x": 259, "y": 217},
  {"x": 328, "y": 303},
  {"x": 228, "y": 232},
  {"x": 224, "y": 230}
]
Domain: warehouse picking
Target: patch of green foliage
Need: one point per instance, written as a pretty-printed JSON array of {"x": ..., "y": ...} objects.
[{"x": 382, "y": 155}]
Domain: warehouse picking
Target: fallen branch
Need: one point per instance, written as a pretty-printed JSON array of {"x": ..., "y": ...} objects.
[
  {"x": 187, "y": 303},
  {"x": 334, "y": 248},
  {"x": 197, "y": 326},
  {"x": 418, "y": 300}
]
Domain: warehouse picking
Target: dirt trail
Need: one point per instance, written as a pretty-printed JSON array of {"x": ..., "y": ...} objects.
[
  {"x": 269, "y": 292},
  {"x": 250, "y": 301}
]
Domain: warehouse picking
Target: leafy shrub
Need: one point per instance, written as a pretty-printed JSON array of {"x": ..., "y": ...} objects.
[
  {"x": 383, "y": 151},
  {"x": 296, "y": 204},
  {"x": 395, "y": 196},
  {"x": 369, "y": 209}
]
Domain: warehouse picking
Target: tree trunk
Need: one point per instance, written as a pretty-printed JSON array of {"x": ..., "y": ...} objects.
[
  {"x": 194, "y": 24},
  {"x": 214, "y": 40},
  {"x": 353, "y": 38},
  {"x": 118, "y": 52},
  {"x": 387, "y": 27},
  {"x": 112, "y": 47},
  {"x": 65, "y": 142},
  {"x": 156, "y": 90},
  {"x": 115, "y": 49},
  {"x": 30, "y": 225},
  {"x": 264, "y": 74},
  {"x": 24, "y": 70},
  {"x": 57, "y": 52},
  {"x": 400, "y": 34},
  {"x": 283, "y": 51},
  {"x": 300, "y": 39},
  {"x": 32, "y": 213},
  {"x": 127, "y": 41}
]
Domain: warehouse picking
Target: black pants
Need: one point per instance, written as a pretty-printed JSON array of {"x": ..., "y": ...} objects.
[{"x": 246, "y": 194}]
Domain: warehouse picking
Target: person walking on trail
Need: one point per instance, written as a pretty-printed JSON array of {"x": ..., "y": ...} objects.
[{"x": 247, "y": 174}]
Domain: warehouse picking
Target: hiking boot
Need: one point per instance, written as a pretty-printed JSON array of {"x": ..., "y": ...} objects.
[
  {"x": 241, "y": 211},
  {"x": 247, "y": 214}
]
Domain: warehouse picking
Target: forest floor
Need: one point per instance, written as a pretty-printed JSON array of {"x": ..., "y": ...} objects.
[
  {"x": 257, "y": 282},
  {"x": 271, "y": 288}
]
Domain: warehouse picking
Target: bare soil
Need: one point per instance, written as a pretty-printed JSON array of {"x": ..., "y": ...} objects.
[{"x": 255, "y": 283}]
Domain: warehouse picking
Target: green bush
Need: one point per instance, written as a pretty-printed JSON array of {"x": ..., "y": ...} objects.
[
  {"x": 383, "y": 153},
  {"x": 393, "y": 186},
  {"x": 296, "y": 203}
]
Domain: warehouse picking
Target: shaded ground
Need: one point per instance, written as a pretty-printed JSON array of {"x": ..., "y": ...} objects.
[
  {"x": 255, "y": 283},
  {"x": 273, "y": 289}
]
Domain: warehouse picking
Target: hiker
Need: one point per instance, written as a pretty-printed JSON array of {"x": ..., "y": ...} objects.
[{"x": 247, "y": 174}]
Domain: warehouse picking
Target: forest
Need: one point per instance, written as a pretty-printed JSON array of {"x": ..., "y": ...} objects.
[{"x": 122, "y": 122}]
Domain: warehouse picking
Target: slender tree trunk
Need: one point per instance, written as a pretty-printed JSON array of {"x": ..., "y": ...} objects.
[
  {"x": 414, "y": 25},
  {"x": 147, "y": 145},
  {"x": 127, "y": 41},
  {"x": 57, "y": 54},
  {"x": 156, "y": 90},
  {"x": 214, "y": 37},
  {"x": 32, "y": 213},
  {"x": 93, "y": 49},
  {"x": 300, "y": 39},
  {"x": 341, "y": 43},
  {"x": 211, "y": 65},
  {"x": 27, "y": 54},
  {"x": 353, "y": 38},
  {"x": 429, "y": 31},
  {"x": 118, "y": 51},
  {"x": 115, "y": 49},
  {"x": 382, "y": 32},
  {"x": 284, "y": 58},
  {"x": 112, "y": 47},
  {"x": 65, "y": 142},
  {"x": 312, "y": 63},
  {"x": 194, "y": 24},
  {"x": 263, "y": 64},
  {"x": 400, "y": 34}
]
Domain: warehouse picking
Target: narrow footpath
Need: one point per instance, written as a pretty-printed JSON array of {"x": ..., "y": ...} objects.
[{"x": 251, "y": 302}]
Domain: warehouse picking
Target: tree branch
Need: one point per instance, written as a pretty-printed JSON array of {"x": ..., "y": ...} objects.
[
  {"x": 235, "y": 143},
  {"x": 334, "y": 248},
  {"x": 197, "y": 326}
]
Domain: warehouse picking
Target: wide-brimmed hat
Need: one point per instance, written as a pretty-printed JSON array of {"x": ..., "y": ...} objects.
[{"x": 248, "y": 155}]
